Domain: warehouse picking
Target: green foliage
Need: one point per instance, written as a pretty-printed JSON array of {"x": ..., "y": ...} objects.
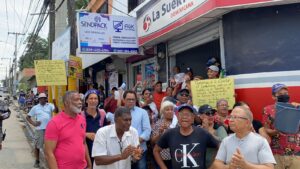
[
  {"x": 81, "y": 4},
  {"x": 38, "y": 50},
  {"x": 23, "y": 86}
]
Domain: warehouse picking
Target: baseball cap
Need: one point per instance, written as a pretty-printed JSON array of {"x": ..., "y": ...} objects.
[
  {"x": 91, "y": 91},
  {"x": 184, "y": 91},
  {"x": 205, "y": 108},
  {"x": 277, "y": 87},
  {"x": 186, "y": 106},
  {"x": 42, "y": 95},
  {"x": 189, "y": 70},
  {"x": 214, "y": 68}
]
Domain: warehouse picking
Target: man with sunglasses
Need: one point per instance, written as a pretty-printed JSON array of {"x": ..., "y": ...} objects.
[
  {"x": 183, "y": 96},
  {"x": 206, "y": 114},
  {"x": 243, "y": 149}
]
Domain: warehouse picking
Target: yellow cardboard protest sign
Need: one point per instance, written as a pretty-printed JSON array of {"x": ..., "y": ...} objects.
[
  {"x": 210, "y": 91},
  {"x": 50, "y": 72},
  {"x": 75, "y": 67}
]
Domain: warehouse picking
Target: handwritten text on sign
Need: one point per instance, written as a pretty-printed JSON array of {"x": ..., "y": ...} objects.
[
  {"x": 210, "y": 91},
  {"x": 50, "y": 72}
]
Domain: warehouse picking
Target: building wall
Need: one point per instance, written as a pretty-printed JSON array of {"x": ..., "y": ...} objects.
[
  {"x": 262, "y": 39},
  {"x": 261, "y": 49}
]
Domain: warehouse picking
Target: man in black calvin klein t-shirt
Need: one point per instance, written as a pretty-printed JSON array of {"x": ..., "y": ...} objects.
[{"x": 187, "y": 144}]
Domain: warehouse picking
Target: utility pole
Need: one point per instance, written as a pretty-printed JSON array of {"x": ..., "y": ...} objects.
[
  {"x": 72, "y": 24},
  {"x": 51, "y": 26},
  {"x": 15, "y": 61}
]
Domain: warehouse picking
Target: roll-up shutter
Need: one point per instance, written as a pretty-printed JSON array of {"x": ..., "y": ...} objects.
[{"x": 194, "y": 38}]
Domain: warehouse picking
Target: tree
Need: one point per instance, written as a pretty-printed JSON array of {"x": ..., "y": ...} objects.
[
  {"x": 37, "y": 49},
  {"x": 81, "y": 4}
]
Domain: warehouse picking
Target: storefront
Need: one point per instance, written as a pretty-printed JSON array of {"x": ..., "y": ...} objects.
[
  {"x": 256, "y": 46},
  {"x": 142, "y": 69}
]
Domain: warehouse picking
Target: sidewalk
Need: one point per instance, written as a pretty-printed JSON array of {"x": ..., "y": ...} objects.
[{"x": 16, "y": 152}]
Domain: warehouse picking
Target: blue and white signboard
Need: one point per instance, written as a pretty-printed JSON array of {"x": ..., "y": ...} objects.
[{"x": 102, "y": 33}]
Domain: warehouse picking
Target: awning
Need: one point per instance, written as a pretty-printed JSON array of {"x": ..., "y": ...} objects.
[{"x": 90, "y": 59}]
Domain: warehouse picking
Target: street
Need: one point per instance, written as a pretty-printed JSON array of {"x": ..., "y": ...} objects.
[{"x": 16, "y": 151}]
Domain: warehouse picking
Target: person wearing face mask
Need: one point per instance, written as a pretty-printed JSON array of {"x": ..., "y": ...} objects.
[
  {"x": 65, "y": 145},
  {"x": 95, "y": 118},
  {"x": 284, "y": 146}
]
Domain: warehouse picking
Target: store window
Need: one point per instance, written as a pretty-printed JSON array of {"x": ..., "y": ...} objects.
[
  {"x": 103, "y": 9},
  {"x": 144, "y": 72},
  {"x": 132, "y": 4}
]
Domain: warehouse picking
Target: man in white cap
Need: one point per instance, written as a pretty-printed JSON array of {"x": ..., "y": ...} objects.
[
  {"x": 42, "y": 113},
  {"x": 213, "y": 72}
]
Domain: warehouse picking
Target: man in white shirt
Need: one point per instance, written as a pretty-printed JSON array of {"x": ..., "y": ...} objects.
[
  {"x": 243, "y": 149},
  {"x": 117, "y": 144}
]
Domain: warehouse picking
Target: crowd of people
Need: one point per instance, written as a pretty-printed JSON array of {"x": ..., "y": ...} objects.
[{"x": 157, "y": 129}]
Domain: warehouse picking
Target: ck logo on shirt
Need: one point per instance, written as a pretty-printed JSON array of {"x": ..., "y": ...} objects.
[
  {"x": 81, "y": 125},
  {"x": 186, "y": 154}
]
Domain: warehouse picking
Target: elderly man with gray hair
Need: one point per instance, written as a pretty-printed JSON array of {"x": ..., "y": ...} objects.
[
  {"x": 222, "y": 113},
  {"x": 243, "y": 149}
]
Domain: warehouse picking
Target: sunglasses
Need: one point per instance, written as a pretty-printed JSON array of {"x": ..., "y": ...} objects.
[
  {"x": 184, "y": 94},
  {"x": 210, "y": 113}
]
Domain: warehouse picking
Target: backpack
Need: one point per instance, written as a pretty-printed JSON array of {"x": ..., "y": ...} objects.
[{"x": 102, "y": 116}]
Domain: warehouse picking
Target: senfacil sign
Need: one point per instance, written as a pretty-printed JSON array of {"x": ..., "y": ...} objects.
[{"x": 102, "y": 33}]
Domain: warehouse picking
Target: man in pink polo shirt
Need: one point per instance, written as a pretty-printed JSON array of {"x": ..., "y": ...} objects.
[{"x": 65, "y": 146}]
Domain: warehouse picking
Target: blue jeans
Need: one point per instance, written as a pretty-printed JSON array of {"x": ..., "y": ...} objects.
[{"x": 142, "y": 163}]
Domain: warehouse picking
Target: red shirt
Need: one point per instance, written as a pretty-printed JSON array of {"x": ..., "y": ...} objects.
[
  {"x": 69, "y": 133},
  {"x": 281, "y": 144},
  {"x": 110, "y": 104},
  {"x": 157, "y": 98}
]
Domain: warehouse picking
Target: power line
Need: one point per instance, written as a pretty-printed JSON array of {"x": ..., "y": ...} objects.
[
  {"x": 22, "y": 7},
  {"x": 35, "y": 9},
  {"x": 16, "y": 13},
  {"x": 36, "y": 30},
  {"x": 59, "y": 5},
  {"x": 7, "y": 26},
  {"x": 6, "y": 16},
  {"x": 23, "y": 38},
  {"x": 41, "y": 23}
]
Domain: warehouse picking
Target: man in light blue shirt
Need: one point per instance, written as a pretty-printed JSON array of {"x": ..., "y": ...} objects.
[
  {"x": 42, "y": 115},
  {"x": 141, "y": 122}
]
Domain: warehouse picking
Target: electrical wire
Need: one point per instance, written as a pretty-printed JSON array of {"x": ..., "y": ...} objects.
[
  {"x": 37, "y": 28},
  {"x": 16, "y": 13},
  {"x": 25, "y": 32},
  {"x": 6, "y": 15},
  {"x": 7, "y": 26},
  {"x": 59, "y": 6}
]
